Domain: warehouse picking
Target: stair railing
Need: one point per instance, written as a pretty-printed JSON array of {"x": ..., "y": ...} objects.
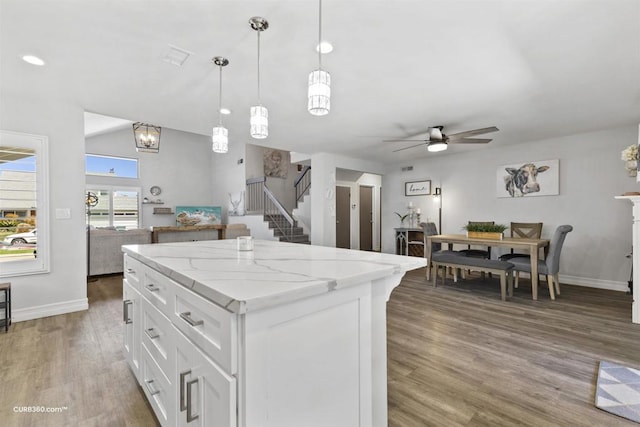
[
  {"x": 254, "y": 196},
  {"x": 277, "y": 214},
  {"x": 302, "y": 184}
]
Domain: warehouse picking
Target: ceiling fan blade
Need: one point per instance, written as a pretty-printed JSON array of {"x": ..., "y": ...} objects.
[
  {"x": 406, "y": 148},
  {"x": 403, "y": 140},
  {"x": 473, "y": 132},
  {"x": 471, "y": 141}
]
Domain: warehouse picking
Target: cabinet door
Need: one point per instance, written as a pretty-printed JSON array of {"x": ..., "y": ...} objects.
[
  {"x": 206, "y": 395},
  {"x": 131, "y": 316}
]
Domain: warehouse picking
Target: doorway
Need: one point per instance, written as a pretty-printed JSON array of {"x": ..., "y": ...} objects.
[
  {"x": 366, "y": 218},
  {"x": 343, "y": 217}
]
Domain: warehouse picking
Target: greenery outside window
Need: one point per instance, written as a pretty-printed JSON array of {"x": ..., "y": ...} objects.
[{"x": 24, "y": 206}]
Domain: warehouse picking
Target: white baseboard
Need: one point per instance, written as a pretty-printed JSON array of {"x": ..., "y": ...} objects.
[
  {"x": 47, "y": 310},
  {"x": 595, "y": 283}
]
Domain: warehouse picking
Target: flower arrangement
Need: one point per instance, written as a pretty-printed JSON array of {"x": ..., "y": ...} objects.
[
  {"x": 630, "y": 157},
  {"x": 402, "y": 217}
]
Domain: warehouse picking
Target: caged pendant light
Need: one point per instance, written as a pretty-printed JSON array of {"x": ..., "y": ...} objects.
[
  {"x": 220, "y": 135},
  {"x": 259, "y": 114},
  {"x": 319, "y": 93}
]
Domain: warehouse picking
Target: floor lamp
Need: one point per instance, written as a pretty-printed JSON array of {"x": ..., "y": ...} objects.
[
  {"x": 438, "y": 199},
  {"x": 90, "y": 201}
]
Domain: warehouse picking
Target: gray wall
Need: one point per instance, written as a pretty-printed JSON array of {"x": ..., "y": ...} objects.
[
  {"x": 182, "y": 169},
  {"x": 591, "y": 174}
]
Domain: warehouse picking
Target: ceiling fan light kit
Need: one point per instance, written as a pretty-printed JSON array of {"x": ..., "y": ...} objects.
[{"x": 438, "y": 141}]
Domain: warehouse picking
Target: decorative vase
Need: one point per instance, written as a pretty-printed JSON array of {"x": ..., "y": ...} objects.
[
  {"x": 484, "y": 235},
  {"x": 632, "y": 167}
]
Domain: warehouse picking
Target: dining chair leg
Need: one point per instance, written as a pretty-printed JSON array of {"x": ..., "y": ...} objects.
[
  {"x": 510, "y": 284},
  {"x": 434, "y": 273},
  {"x": 556, "y": 279},
  {"x": 550, "y": 283},
  {"x": 515, "y": 285}
]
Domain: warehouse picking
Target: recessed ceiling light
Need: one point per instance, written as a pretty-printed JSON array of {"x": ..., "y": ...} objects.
[
  {"x": 33, "y": 60},
  {"x": 324, "y": 47},
  {"x": 225, "y": 111}
]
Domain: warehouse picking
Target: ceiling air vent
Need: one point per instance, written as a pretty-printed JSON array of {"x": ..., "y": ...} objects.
[
  {"x": 176, "y": 56},
  {"x": 407, "y": 168}
]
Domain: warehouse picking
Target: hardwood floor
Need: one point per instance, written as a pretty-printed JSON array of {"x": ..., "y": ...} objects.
[{"x": 458, "y": 356}]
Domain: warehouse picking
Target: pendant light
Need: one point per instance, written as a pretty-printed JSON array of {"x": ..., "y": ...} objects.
[
  {"x": 319, "y": 93},
  {"x": 259, "y": 114},
  {"x": 220, "y": 135}
]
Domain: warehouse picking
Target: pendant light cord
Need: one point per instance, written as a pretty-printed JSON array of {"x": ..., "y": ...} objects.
[
  {"x": 220, "y": 99},
  {"x": 259, "y": 100},
  {"x": 320, "y": 34}
]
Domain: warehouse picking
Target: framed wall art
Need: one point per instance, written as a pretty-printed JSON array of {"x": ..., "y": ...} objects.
[
  {"x": 417, "y": 188},
  {"x": 528, "y": 179}
]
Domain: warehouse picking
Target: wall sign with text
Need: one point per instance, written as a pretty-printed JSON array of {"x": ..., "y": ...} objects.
[{"x": 417, "y": 188}]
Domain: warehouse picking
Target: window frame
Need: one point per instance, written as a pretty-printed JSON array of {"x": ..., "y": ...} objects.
[
  {"x": 41, "y": 263},
  {"x": 113, "y": 189},
  {"x": 107, "y": 156}
]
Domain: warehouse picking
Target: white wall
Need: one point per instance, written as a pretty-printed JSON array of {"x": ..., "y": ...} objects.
[
  {"x": 227, "y": 174},
  {"x": 64, "y": 288},
  {"x": 181, "y": 169},
  {"x": 366, "y": 180},
  {"x": 591, "y": 174},
  {"x": 282, "y": 188}
]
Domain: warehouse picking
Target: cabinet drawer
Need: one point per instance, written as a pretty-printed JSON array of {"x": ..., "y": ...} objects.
[
  {"x": 208, "y": 325},
  {"x": 133, "y": 271},
  {"x": 206, "y": 395},
  {"x": 158, "y": 389},
  {"x": 158, "y": 337},
  {"x": 158, "y": 289}
]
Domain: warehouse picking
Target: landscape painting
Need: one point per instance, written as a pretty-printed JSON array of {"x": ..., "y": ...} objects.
[
  {"x": 198, "y": 215},
  {"x": 528, "y": 179}
]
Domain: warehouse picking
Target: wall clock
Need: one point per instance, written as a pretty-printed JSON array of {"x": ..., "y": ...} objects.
[{"x": 155, "y": 190}]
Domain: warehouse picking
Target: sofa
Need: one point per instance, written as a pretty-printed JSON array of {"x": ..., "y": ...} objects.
[{"x": 105, "y": 253}]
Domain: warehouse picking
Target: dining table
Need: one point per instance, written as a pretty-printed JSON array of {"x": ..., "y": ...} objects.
[{"x": 531, "y": 246}]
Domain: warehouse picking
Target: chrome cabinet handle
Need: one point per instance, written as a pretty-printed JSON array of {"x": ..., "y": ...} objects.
[
  {"x": 151, "y": 390},
  {"x": 190, "y": 416},
  {"x": 183, "y": 404},
  {"x": 131, "y": 270},
  {"x": 152, "y": 288},
  {"x": 125, "y": 311},
  {"x": 186, "y": 316},
  {"x": 150, "y": 333}
]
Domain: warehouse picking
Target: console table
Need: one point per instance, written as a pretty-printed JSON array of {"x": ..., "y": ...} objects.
[
  {"x": 191, "y": 233},
  {"x": 410, "y": 241}
]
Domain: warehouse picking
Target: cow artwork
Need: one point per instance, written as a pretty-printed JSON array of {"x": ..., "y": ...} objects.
[{"x": 526, "y": 179}]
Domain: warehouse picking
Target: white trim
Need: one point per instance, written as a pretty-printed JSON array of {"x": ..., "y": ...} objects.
[
  {"x": 595, "y": 283},
  {"x": 47, "y": 310}
]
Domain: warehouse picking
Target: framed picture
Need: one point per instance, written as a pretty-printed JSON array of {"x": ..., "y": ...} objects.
[
  {"x": 528, "y": 179},
  {"x": 417, "y": 188},
  {"x": 198, "y": 215}
]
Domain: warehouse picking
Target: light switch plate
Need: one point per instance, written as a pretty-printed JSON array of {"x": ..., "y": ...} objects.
[{"x": 63, "y": 213}]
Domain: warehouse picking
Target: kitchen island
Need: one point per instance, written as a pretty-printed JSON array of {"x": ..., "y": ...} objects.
[{"x": 283, "y": 335}]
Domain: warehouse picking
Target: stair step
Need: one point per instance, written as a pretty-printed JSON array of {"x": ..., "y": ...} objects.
[
  {"x": 296, "y": 230},
  {"x": 297, "y": 238}
]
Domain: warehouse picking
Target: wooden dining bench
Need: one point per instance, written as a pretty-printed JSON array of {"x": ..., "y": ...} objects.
[{"x": 501, "y": 268}]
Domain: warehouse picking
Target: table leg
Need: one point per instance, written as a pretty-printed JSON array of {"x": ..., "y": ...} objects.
[
  {"x": 427, "y": 255},
  {"x": 534, "y": 272}
]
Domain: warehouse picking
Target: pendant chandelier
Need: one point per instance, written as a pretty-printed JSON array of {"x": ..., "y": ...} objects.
[
  {"x": 147, "y": 137},
  {"x": 220, "y": 135},
  {"x": 259, "y": 114},
  {"x": 319, "y": 93}
]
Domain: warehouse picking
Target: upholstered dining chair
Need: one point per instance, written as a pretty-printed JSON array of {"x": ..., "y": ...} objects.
[
  {"x": 550, "y": 266},
  {"x": 430, "y": 229},
  {"x": 523, "y": 230}
]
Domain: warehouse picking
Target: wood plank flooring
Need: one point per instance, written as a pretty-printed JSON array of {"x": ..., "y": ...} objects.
[{"x": 458, "y": 356}]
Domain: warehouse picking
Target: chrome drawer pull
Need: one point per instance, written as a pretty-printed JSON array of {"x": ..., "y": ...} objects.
[
  {"x": 190, "y": 416},
  {"x": 125, "y": 311},
  {"x": 183, "y": 405},
  {"x": 150, "y": 333},
  {"x": 152, "y": 288},
  {"x": 131, "y": 270},
  {"x": 186, "y": 316},
  {"x": 151, "y": 390}
]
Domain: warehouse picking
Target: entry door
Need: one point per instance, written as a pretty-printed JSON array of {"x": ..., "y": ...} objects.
[
  {"x": 366, "y": 218},
  {"x": 343, "y": 217}
]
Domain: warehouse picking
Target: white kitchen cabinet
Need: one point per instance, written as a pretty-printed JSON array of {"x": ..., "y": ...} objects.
[{"x": 131, "y": 334}]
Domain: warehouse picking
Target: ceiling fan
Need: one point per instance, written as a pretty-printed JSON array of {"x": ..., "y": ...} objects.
[{"x": 438, "y": 141}]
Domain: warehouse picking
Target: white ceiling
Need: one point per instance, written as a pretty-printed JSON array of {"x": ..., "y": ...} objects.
[{"x": 534, "y": 69}]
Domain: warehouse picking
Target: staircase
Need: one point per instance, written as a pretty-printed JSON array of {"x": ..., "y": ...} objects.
[{"x": 295, "y": 234}]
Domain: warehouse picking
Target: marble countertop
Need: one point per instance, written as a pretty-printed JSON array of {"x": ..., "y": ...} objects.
[{"x": 273, "y": 273}]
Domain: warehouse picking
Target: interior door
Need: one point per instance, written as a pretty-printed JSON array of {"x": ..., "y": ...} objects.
[
  {"x": 366, "y": 218},
  {"x": 343, "y": 217}
]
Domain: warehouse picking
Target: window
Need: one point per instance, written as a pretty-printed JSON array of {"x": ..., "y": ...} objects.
[
  {"x": 108, "y": 166},
  {"x": 117, "y": 207},
  {"x": 24, "y": 227}
]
